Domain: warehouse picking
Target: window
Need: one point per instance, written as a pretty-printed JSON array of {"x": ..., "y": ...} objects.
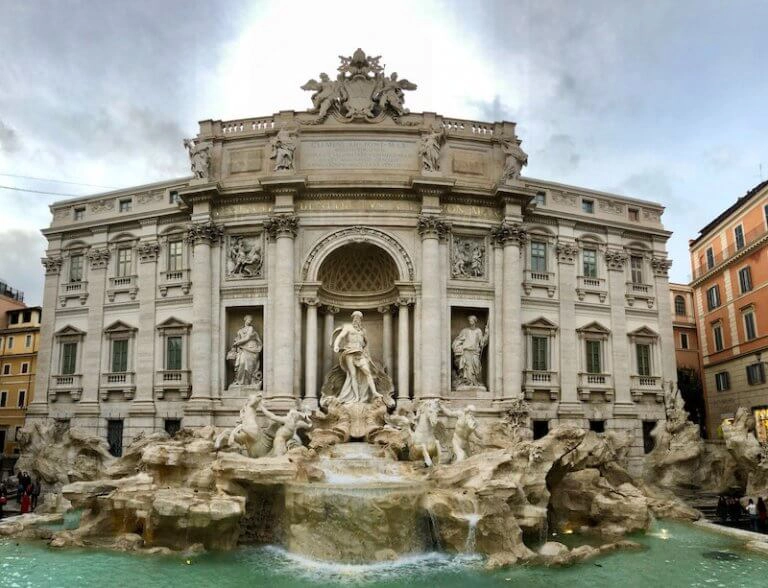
[
  {"x": 540, "y": 429},
  {"x": 588, "y": 206},
  {"x": 745, "y": 279},
  {"x": 680, "y": 305},
  {"x": 636, "y": 267},
  {"x": 683, "y": 340},
  {"x": 7, "y": 369},
  {"x": 22, "y": 398},
  {"x": 538, "y": 256},
  {"x": 750, "y": 326},
  {"x": 27, "y": 316},
  {"x": 765, "y": 212},
  {"x": 172, "y": 426},
  {"x": 79, "y": 213},
  {"x": 648, "y": 441},
  {"x": 539, "y": 348},
  {"x": 28, "y": 341},
  {"x": 10, "y": 339},
  {"x": 25, "y": 368},
  {"x": 173, "y": 353},
  {"x": 173, "y": 197},
  {"x": 540, "y": 199},
  {"x": 643, "y": 351},
  {"x": 722, "y": 381},
  {"x": 634, "y": 214},
  {"x": 713, "y": 297},
  {"x": 589, "y": 260},
  {"x": 174, "y": 255},
  {"x": 115, "y": 436},
  {"x": 76, "y": 268},
  {"x": 594, "y": 357},
  {"x": 756, "y": 374},
  {"x": 68, "y": 358},
  {"x": 120, "y": 355},
  {"x": 125, "y": 205},
  {"x": 3, "y": 398},
  {"x": 738, "y": 235},
  {"x": 124, "y": 255},
  {"x": 717, "y": 335},
  {"x": 597, "y": 426},
  {"x": 710, "y": 258}
]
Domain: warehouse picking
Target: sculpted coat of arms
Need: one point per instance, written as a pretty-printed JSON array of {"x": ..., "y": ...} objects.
[{"x": 361, "y": 91}]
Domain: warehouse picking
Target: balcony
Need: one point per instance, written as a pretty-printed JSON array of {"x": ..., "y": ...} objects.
[
  {"x": 71, "y": 384},
  {"x": 123, "y": 284},
  {"x": 175, "y": 278},
  {"x": 595, "y": 384},
  {"x": 545, "y": 280},
  {"x": 646, "y": 385},
  {"x": 78, "y": 290},
  {"x": 751, "y": 238},
  {"x": 173, "y": 380},
  {"x": 124, "y": 382},
  {"x": 586, "y": 285},
  {"x": 543, "y": 381},
  {"x": 642, "y": 292}
]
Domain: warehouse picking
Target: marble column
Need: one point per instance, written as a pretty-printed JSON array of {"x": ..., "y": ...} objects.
[
  {"x": 282, "y": 228},
  {"x": 431, "y": 228},
  {"x": 668, "y": 371},
  {"x": 616, "y": 261},
  {"x": 403, "y": 350},
  {"x": 201, "y": 236},
  {"x": 511, "y": 236},
  {"x": 567, "y": 256},
  {"x": 386, "y": 336},
  {"x": 328, "y": 325},
  {"x": 310, "y": 352}
]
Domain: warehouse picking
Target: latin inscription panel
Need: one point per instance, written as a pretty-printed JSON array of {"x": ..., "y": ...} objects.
[{"x": 357, "y": 154}]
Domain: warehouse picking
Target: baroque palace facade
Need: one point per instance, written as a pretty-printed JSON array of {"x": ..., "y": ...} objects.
[{"x": 295, "y": 220}]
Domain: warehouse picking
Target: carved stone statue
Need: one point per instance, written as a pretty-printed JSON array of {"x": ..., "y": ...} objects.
[
  {"x": 391, "y": 93},
  {"x": 245, "y": 258},
  {"x": 429, "y": 150},
  {"x": 247, "y": 432},
  {"x": 467, "y": 351},
  {"x": 327, "y": 92},
  {"x": 468, "y": 258},
  {"x": 283, "y": 146},
  {"x": 465, "y": 427},
  {"x": 199, "y": 157},
  {"x": 424, "y": 444},
  {"x": 350, "y": 342},
  {"x": 245, "y": 352},
  {"x": 287, "y": 436},
  {"x": 515, "y": 160}
]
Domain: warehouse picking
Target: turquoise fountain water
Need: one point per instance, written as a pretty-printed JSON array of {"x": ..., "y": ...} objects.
[{"x": 682, "y": 555}]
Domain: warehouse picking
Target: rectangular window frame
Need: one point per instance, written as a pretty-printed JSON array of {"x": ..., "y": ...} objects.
[
  {"x": 175, "y": 255},
  {"x": 756, "y": 374},
  {"x": 539, "y": 257},
  {"x": 76, "y": 267},
  {"x": 174, "y": 357},
  {"x": 750, "y": 324},
  {"x": 633, "y": 214},
  {"x": 710, "y": 253},
  {"x": 118, "y": 356},
  {"x": 636, "y": 269},
  {"x": 68, "y": 361},
  {"x": 713, "y": 297},
  {"x": 722, "y": 381},
  {"x": 587, "y": 206},
  {"x": 738, "y": 237},
  {"x": 540, "y": 199},
  {"x": 683, "y": 340},
  {"x": 745, "y": 279},
  {"x": 125, "y": 205},
  {"x": 124, "y": 262},
  {"x": 24, "y": 367},
  {"x": 3, "y": 398},
  {"x": 594, "y": 356},
  {"x": 643, "y": 354},
  {"x": 6, "y": 369},
  {"x": 717, "y": 337},
  {"x": 78, "y": 213},
  {"x": 589, "y": 263},
  {"x": 21, "y": 401}
]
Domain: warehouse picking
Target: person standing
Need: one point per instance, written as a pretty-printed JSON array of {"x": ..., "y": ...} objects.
[
  {"x": 3, "y": 497},
  {"x": 762, "y": 514},
  {"x": 26, "y": 500},
  {"x": 752, "y": 513},
  {"x": 35, "y": 492},
  {"x": 722, "y": 509}
]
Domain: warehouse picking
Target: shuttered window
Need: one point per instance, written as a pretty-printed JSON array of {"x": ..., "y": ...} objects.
[
  {"x": 68, "y": 358},
  {"x": 120, "y": 355},
  {"x": 173, "y": 353},
  {"x": 594, "y": 359},
  {"x": 539, "y": 354},
  {"x": 643, "y": 359}
]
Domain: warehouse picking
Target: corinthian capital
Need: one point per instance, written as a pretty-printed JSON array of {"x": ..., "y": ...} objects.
[
  {"x": 566, "y": 252},
  {"x": 615, "y": 259},
  {"x": 509, "y": 233},
  {"x": 282, "y": 225},
  {"x": 99, "y": 258},
  {"x": 660, "y": 266},
  {"x": 201, "y": 232},
  {"x": 52, "y": 265},
  {"x": 431, "y": 225},
  {"x": 148, "y": 251}
]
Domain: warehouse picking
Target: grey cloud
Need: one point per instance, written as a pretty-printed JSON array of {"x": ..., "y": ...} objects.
[
  {"x": 560, "y": 154},
  {"x": 19, "y": 265},
  {"x": 9, "y": 139}
]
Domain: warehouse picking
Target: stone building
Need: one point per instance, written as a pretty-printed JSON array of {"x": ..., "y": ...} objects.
[
  {"x": 19, "y": 340},
  {"x": 729, "y": 260},
  {"x": 297, "y": 219}
]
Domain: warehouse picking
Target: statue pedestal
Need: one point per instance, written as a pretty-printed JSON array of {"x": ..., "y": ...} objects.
[
  {"x": 466, "y": 391},
  {"x": 240, "y": 391}
]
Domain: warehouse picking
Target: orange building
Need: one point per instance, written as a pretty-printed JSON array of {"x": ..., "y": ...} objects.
[
  {"x": 729, "y": 261},
  {"x": 9, "y": 300},
  {"x": 19, "y": 341}
]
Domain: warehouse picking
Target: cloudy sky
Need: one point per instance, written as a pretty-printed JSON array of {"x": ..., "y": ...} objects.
[{"x": 664, "y": 100}]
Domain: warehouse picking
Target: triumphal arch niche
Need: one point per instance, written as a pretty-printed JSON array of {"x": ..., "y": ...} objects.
[{"x": 408, "y": 244}]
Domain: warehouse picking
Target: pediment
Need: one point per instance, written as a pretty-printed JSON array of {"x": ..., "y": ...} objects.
[
  {"x": 119, "y": 327},
  {"x": 643, "y": 332},
  {"x": 69, "y": 331},
  {"x": 594, "y": 327},
  {"x": 541, "y": 323},
  {"x": 174, "y": 323}
]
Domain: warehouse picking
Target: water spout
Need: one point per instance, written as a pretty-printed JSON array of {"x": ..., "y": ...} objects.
[{"x": 471, "y": 541}]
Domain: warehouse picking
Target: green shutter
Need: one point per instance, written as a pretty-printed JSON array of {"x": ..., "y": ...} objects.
[
  {"x": 643, "y": 360},
  {"x": 539, "y": 354},
  {"x": 173, "y": 353},
  {"x": 593, "y": 357},
  {"x": 120, "y": 355},
  {"x": 68, "y": 358}
]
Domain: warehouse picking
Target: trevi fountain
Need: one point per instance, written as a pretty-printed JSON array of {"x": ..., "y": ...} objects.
[{"x": 421, "y": 470}]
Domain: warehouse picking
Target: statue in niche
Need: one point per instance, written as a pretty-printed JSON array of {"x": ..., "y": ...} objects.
[
  {"x": 283, "y": 146},
  {"x": 515, "y": 160},
  {"x": 464, "y": 429},
  {"x": 287, "y": 436},
  {"x": 245, "y": 352},
  {"x": 429, "y": 150},
  {"x": 467, "y": 355},
  {"x": 357, "y": 379},
  {"x": 199, "y": 157},
  {"x": 390, "y": 93},
  {"x": 468, "y": 258},
  {"x": 245, "y": 257}
]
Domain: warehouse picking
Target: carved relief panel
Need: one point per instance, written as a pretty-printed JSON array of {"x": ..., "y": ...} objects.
[
  {"x": 469, "y": 258},
  {"x": 245, "y": 256}
]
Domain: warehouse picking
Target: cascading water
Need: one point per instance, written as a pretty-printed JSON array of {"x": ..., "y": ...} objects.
[{"x": 471, "y": 542}]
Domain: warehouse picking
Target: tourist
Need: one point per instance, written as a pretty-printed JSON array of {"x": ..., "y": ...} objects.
[
  {"x": 3, "y": 497},
  {"x": 752, "y": 513},
  {"x": 35, "y": 492},
  {"x": 762, "y": 514},
  {"x": 26, "y": 500},
  {"x": 735, "y": 509},
  {"x": 722, "y": 509}
]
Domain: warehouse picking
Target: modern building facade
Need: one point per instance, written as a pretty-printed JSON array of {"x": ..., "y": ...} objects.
[
  {"x": 297, "y": 219},
  {"x": 729, "y": 260},
  {"x": 19, "y": 341}
]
